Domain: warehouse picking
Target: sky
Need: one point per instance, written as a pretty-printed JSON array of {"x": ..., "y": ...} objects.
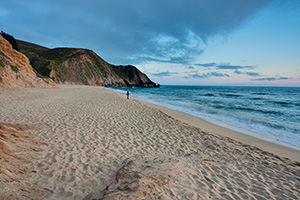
[{"x": 190, "y": 42}]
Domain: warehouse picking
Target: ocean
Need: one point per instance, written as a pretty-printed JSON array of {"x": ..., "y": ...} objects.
[{"x": 268, "y": 113}]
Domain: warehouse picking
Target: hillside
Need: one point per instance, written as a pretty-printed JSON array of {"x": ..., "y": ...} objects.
[
  {"x": 81, "y": 66},
  {"x": 16, "y": 71}
]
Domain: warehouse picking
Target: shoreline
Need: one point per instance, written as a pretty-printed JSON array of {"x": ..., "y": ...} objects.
[{"x": 206, "y": 126}]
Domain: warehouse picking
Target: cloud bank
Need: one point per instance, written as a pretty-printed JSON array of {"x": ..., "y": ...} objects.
[
  {"x": 224, "y": 66},
  {"x": 270, "y": 79},
  {"x": 172, "y": 31},
  {"x": 162, "y": 74},
  {"x": 247, "y": 73},
  {"x": 208, "y": 75}
]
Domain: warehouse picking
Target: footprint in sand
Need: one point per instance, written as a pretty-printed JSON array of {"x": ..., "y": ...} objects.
[{"x": 70, "y": 159}]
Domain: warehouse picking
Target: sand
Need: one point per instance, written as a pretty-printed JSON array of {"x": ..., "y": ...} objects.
[
  {"x": 264, "y": 143},
  {"x": 101, "y": 145}
]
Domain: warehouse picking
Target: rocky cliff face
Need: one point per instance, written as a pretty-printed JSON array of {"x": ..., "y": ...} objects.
[
  {"x": 133, "y": 77},
  {"x": 16, "y": 71},
  {"x": 81, "y": 66}
]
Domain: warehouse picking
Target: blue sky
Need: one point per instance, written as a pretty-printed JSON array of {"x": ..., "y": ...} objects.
[{"x": 195, "y": 42}]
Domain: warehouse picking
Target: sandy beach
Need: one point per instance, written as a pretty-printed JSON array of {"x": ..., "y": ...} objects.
[{"x": 96, "y": 144}]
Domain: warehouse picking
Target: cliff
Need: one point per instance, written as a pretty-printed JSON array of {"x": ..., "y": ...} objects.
[
  {"x": 16, "y": 71},
  {"x": 81, "y": 66}
]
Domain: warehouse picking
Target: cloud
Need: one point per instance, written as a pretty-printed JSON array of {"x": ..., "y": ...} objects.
[
  {"x": 207, "y": 64},
  {"x": 208, "y": 75},
  {"x": 265, "y": 79},
  {"x": 162, "y": 74},
  {"x": 238, "y": 72},
  {"x": 229, "y": 66},
  {"x": 218, "y": 74},
  {"x": 173, "y": 31},
  {"x": 190, "y": 67},
  {"x": 198, "y": 76},
  {"x": 252, "y": 73},
  {"x": 169, "y": 49},
  {"x": 283, "y": 78},
  {"x": 270, "y": 79},
  {"x": 247, "y": 73}
]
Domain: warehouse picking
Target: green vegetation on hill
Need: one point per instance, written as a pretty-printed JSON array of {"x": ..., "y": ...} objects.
[
  {"x": 34, "y": 52},
  {"x": 10, "y": 39},
  {"x": 81, "y": 66},
  {"x": 30, "y": 47},
  {"x": 2, "y": 59}
]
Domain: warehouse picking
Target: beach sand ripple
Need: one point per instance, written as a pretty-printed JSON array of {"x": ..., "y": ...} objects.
[{"x": 98, "y": 141}]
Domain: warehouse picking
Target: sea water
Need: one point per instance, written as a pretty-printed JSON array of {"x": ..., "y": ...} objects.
[{"x": 270, "y": 113}]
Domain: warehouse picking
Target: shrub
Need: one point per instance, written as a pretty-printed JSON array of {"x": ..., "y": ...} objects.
[
  {"x": 11, "y": 40},
  {"x": 14, "y": 68}
]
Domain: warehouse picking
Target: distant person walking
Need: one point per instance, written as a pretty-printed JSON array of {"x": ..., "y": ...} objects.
[{"x": 127, "y": 94}]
